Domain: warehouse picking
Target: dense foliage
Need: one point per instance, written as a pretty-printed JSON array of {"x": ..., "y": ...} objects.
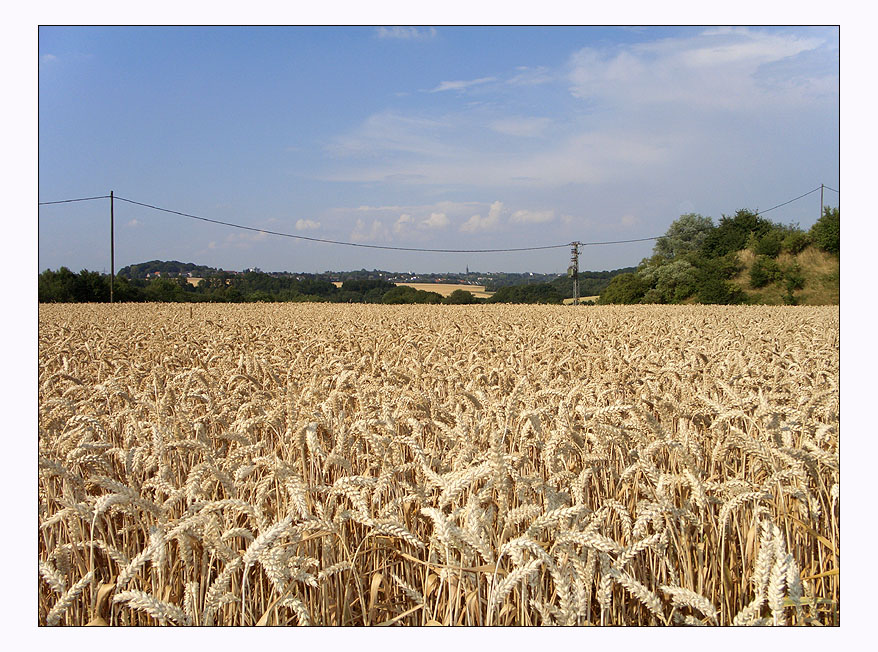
[
  {"x": 825, "y": 231},
  {"x": 590, "y": 283},
  {"x": 219, "y": 286},
  {"x": 697, "y": 261}
]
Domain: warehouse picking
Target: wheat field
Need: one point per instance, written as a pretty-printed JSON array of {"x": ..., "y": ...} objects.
[{"x": 320, "y": 464}]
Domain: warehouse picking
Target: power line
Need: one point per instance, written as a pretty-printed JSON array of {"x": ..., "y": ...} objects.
[
  {"x": 788, "y": 202},
  {"x": 68, "y": 201},
  {"x": 587, "y": 244},
  {"x": 389, "y": 247},
  {"x": 369, "y": 246}
]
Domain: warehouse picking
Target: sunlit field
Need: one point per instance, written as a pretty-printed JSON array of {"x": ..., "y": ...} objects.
[{"x": 326, "y": 464}]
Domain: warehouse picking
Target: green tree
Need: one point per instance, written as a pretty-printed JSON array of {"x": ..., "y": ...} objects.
[
  {"x": 124, "y": 291},
  {"x": 535, "y": 293},
  {"x": 733, "y": 233},
  {"x": 826, "y": 231},
  {"x": 163, "y": 290},
  {"x": 670, "y": 282},
  {"x": 796, "y": 242},
  {"x": 56, "y": 286},
  {"x": 716, "y": 290},
  {"x": 712, "y": 279},
  {"x": 765, "y": 270},
  {"x": 624, "y": 288},
  {"x": 405, "y": 294},
  {"x": 460, "y": 297},
  {"x": 685, "y": 235},
  {"x": 770, "y": 244}
]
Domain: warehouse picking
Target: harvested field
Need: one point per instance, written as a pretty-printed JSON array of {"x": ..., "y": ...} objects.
[
  {"x": 445, "y": 289},
  {"x": 407, "y": 465}
]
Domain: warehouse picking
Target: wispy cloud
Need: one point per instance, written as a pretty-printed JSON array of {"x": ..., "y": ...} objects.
[
  {"x": 395, "y": 132},
  {"x": 406, "y": 33},
  {"x": 714, "y": 69},
  {"x": 531, "y": 76},
  {"x": 460, "y": 85},
  {"x": 48, "y": 58},
  {"x": 445, "y": 206},
  {"x": 521, "y": 126},
  {"x": 630, "y": 111},
  {"x": 307, "y": 225}
]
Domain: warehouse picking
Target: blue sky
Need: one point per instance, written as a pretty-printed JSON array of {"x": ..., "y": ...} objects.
[{"x": 434, "y": 137}]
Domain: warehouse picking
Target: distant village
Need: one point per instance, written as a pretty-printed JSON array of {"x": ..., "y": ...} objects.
[{"x": 174, "y": 269}]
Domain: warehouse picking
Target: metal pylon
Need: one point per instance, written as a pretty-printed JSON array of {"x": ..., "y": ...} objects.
[{"x": 573, "y": 270}]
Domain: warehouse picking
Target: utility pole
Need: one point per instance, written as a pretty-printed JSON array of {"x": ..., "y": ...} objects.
[
  {"x": 821, "y": 202},
  {"x": 573, "y": 270},
  {"x": 112, "y": 249}
]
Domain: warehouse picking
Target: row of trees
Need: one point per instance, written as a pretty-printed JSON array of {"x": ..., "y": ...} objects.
[
  {"x": 65, "y": 286},
  {"x": 695, "y": 259},
  {"x": 131, "y": 285}
]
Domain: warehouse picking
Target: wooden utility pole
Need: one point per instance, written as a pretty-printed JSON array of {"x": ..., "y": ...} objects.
[
  {"x": 112, "y": 250},
  {"x": 821, "y": 202}
]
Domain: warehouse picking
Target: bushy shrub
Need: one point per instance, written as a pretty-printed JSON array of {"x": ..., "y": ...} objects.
[
  {"x": 733, "y": 233},
  {"x": 765, "y": 270},
  {"x": 793, "y": 277},
  {"x": 716, "y": 290},
  {"x": 406, "y": 294},
  {"x": 826, "y": 231},
  {"x": 535, "y": 293},
  {"x": 624, "y": 288},
  {"x": 796, "y": 242},
  {"x": 770, "y": 244},
  {"x": 460, "y": 297}
]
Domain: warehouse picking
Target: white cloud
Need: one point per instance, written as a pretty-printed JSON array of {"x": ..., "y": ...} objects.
[
  {"x": 532, "y": 217},
  {"x": 406, "y": 33},
  {"x": 374, "y": 233},
  {"x": 453, "y": 207},
  {"x": 435, "y": 221},
  {"x": 461, "y": 84},
  {"x": 478, "y": 223},
  {"x": 134, "y": 223},
  {"x": 405, "y": 220},
  {"x": 48, "y": 58},
  {"x": 527, "y": 76},
  {"x": 651, "y": 113},
  {"x": 307, "y": 225},
  {"x": 390, "y": 131},
  {"x": 716, "y": 68}
]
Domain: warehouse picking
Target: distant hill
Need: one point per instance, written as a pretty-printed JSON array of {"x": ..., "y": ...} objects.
[{"x": 169, "y": 268}]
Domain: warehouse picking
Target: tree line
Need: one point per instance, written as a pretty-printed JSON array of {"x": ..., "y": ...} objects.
[
  {"x": 218, "y": 286},
  {"x": 65, "y": 286},
  {"x": 693, "y": 262}
]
